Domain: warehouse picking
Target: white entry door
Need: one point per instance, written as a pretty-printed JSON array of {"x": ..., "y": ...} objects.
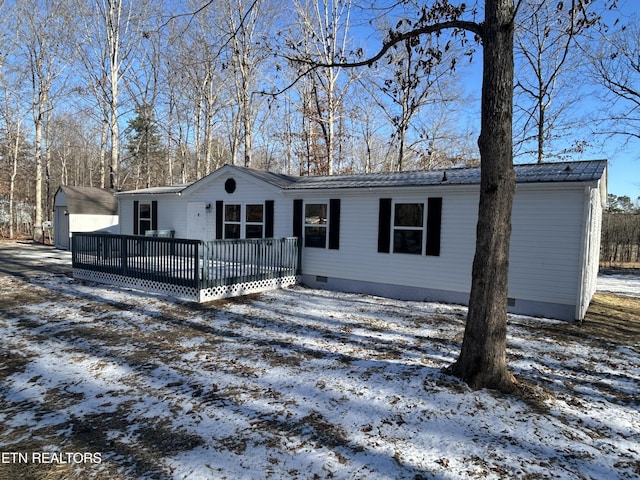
[{"x": 197, "y": 220}]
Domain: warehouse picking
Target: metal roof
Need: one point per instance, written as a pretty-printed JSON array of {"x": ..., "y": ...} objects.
[
  {"x": 277, "y": 179},
  {"x": 176, "y": 189},
  {"x": 577, "y": 171}
]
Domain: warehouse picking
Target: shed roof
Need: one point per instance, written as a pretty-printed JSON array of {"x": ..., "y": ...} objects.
[{"x": 90, "y": 200}]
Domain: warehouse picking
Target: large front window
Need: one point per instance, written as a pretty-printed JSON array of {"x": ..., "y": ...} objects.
[
  {"x": 243, "y": 221},
  {"x": 315, "y": 225},
  {"x": 408, "y": 228}
]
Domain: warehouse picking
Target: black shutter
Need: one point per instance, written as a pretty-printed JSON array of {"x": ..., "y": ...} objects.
[
  {"x": 219, "y": 219},
  {"x": 384, "y": 225},
  {"x": 334, "y": 224},
  {"x": 154, "y": 215},
  {"x": 434, "y": 221},
  {"x": 297, "y": 218},
  {"x": 268, "y": 219},
  {"x": 136, "y": 218}
]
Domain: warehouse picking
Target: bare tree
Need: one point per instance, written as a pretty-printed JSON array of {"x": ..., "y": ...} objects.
[
  {"x": 616, "y": 66},
  {"x": 324, "y": 27},
  {"x": 42, "y": 39},
  {"x": 416, "y": 74},
  {"x": 11, "y": 116},
  {"x": 547, "y": 59},
  {"x": 246, "y": 23},
  {"x": 111, "y": 32},
  {"x": 371, "y": 150},
  {"x": 73, "y": 150}
]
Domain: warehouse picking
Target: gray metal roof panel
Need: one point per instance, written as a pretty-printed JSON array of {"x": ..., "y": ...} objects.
[
  {"x": 279, "y": 180},
  {"x": 155, "y": 190},
  {"x": 579, "y": 171}
]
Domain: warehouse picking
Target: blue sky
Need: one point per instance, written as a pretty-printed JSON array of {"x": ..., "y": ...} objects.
[
  {"x": 624, "y": 172},
  {"x": 624, "y": 157},
  {"x": 623, "y": 154}
]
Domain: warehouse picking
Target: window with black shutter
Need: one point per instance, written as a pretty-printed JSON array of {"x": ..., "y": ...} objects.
[
  {"x": 317, "y": 223},
  {"x": 407, "y": 228}
]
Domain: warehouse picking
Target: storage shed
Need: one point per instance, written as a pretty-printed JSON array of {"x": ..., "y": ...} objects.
[
  {"x": 408, "y": 235},
  {"x": 82, "y": 209}
]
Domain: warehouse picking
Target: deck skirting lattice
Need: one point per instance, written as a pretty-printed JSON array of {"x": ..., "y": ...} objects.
[
  {"x": 182, "y": 292},
  {"x": 245, "y": 288}
]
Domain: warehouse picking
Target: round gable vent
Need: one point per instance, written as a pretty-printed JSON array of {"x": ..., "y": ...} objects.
[{"x": 230, "y": 185}]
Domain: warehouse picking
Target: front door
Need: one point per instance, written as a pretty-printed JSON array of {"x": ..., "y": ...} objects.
[{"x": 196, "y": 220}]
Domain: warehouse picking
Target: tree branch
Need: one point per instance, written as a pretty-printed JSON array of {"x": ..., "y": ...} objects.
[
  {"x": 396, "y": 38},
  {"x": 473, "y": 27}
]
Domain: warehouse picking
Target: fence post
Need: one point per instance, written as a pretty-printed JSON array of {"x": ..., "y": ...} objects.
[
  {"x": 298, "y": 244},
  {"x": 124, "y": 268},
  {"x": 196, "y": 255},
  {"x": 74, "y": 251}
]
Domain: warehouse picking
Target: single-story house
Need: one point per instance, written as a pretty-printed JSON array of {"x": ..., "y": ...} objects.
[
  {"x": 82, "y": 209},
  {"x": 408, "y": 235}
]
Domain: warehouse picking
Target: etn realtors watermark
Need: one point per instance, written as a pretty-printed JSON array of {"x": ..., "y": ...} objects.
[{"x": 51, "y": 457}]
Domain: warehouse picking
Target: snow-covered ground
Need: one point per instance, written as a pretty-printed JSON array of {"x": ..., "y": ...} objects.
[
  {"x": 621, "y": 283},
  {"x": 300, "y": 384}
]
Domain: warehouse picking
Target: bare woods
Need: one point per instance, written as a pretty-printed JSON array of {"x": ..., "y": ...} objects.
[{"x": 620, "y": 232}]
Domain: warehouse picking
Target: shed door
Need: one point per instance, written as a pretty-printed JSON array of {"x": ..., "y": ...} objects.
[
  {"x": 196, "y": 220},
  {"x": 61, "y": 228}
]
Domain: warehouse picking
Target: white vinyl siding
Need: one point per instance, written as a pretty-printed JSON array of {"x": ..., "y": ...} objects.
[
  {"x": 546, "y": 243},
  {"x": 358, "y": 257},
  {"x": 544, "y": 255},
  {"x": 172, "y": 213},
  {"x": 555, "y": 230},
  {"x": 172, "y": 209}
]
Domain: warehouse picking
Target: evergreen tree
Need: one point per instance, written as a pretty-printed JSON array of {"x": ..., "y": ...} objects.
[{"x": 144, "y": 147}]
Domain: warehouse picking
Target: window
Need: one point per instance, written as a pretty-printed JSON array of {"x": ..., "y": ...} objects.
[
  {"x": 243, "y": 219},
  {"x": 408, "y": 228},
  {"x": 254, "y": 221},
  {"x": 232, "y": 221},
  {"x": 315, "y": 225},
  {"x": 145, "y": 217},
  {"x": 403, "y": 228}
]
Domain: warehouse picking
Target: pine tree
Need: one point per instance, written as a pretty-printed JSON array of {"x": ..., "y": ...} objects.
[{"x": 144, "y": 147}]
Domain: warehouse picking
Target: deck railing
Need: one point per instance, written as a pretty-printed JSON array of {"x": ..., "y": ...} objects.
[
  {"x": 226, "y": 262},
  {"x": 186, "y": 262}
]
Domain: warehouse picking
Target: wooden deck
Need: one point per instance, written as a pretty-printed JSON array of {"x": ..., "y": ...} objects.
[{"x": 190, "y": 269}]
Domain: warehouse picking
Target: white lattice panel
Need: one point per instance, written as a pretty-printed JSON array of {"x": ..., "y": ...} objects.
[
  {"x": 176, "y": 291},
  {"x": 238, "y": 289},
  {"x": 186, "y": 293}
]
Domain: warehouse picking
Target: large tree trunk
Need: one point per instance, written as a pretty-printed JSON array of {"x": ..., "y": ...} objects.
[{"x": 482, "y": 362}]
